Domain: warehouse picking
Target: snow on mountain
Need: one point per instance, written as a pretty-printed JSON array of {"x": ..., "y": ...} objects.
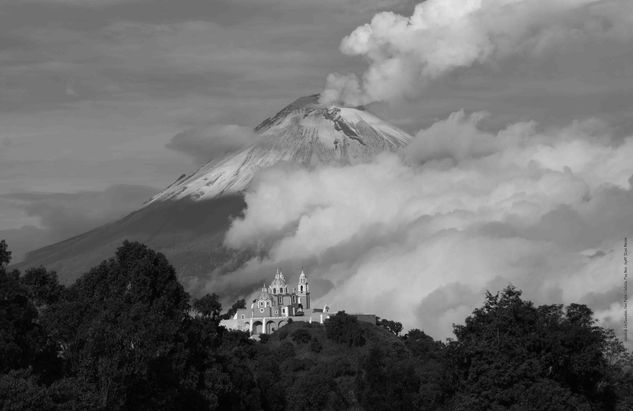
[
  {"x": 191, "y": 231},
  {"x": 305, "y": 132}
]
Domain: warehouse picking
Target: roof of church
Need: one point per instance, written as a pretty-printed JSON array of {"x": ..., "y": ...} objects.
[
  {"x": 279, "y": 281},
  {"x": 263, "y": 294}
]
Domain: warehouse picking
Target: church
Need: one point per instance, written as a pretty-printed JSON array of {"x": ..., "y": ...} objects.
[{"x": 275, "y": 305}]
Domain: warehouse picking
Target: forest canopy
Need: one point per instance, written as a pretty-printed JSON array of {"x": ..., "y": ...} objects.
[{"x": 126, "y": 335}]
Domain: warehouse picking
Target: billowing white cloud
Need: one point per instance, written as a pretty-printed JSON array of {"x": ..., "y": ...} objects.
[
  {"x": 441, "y": 36},
  {"x": 420, "y": 239}
]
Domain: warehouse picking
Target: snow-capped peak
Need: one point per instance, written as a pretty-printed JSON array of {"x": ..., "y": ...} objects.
[{"x": 305, "y": 132}]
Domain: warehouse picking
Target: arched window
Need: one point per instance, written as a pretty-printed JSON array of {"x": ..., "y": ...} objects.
[
  {"x": 274, "y": 291},
  {"x": 301, "y": 289}
]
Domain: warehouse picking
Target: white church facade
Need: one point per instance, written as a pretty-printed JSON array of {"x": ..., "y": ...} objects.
[{"x": 275, "y": 305}]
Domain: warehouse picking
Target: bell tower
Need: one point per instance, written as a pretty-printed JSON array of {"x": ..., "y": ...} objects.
[{"x": 303, "y": 290}]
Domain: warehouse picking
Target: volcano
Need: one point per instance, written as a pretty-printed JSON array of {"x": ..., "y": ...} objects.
[
  {"x": 305, "y": 132},
  {"x": 188, "y": 220}
]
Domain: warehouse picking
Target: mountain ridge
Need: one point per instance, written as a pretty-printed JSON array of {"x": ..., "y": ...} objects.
[
  {"x": 305, "y": 132},
  {"x": 188, "y": 220}
]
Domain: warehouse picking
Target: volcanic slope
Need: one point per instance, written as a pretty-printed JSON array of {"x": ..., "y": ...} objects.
[
  {"x": 188, "y": 220},
  {"x": 305, "y": 132}
]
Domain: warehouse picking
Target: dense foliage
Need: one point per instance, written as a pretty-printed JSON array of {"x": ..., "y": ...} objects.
[{"x": 127, "y": 336}]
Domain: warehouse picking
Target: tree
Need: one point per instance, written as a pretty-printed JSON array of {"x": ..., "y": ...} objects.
[
  {"x": 428, "y": 359},
  {"x": 387, "y": 383},
  {"x": 509, "y": 347},
  {"x": 236, "y": 306},
  {"x": 301, "y": 336},
  {"x": 620, "y": 369},
  {"x": 392, "y": 326},
  {"x": 269, "y": 378},
  {"x": 19, "y": 391},
  {"x": 5, "y": 255},
  {"x": 42, "y": 285},
  {"x": 344, "y": 329},
  {"x": 315, "y": 345},
  {"x": 315, "y": 390},
  {"x": 120, "y": 329},
  {"x": 208, "y": 306},
  {"x": 21, "y": 337}
]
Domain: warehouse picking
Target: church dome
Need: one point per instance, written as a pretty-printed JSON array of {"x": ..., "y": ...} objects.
[
  {"x": 263, "y": 294},
  {"x": 278, "y": 285}
]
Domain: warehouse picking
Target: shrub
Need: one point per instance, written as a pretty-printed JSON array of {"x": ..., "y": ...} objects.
[
  {"x": 286, "y": 350},
  {"x": 344, "y": 329},
  {"x": 282, "y": 334},
  {"x": 301, "y": 336},
  {"x": 315, "y": 345}
]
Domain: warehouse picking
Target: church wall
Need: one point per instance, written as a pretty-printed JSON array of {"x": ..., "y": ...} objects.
[{"x": 272, "y": 323}]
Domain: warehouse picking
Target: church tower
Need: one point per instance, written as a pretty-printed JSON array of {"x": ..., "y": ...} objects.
[{"x": 303, "y": 290}]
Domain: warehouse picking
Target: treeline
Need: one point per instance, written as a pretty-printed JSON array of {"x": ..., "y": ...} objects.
[{"x": 127, "y": 336}]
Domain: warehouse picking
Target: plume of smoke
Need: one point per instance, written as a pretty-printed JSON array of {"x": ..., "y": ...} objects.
[{"x": 444, "y": 35}]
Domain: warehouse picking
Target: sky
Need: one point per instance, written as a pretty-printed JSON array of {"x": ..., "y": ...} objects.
[
  {"x": 519, "y": 172},
  {"x": 93, "y": 92}
]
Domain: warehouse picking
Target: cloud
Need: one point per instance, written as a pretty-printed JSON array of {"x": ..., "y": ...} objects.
[
  {"x": 63, "y": 215},
  {"x": 24, "y": 239},
  {"x": 356, "y": 5},
  {"x": 441, "y": 36},
  {"x": 53, "y": 64},
  {"x": 81, "y": 3},
  {"x": 206, "y": 144},
  {"x": 420, "y": 240},
  {"x": 457, "y": 138}
]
